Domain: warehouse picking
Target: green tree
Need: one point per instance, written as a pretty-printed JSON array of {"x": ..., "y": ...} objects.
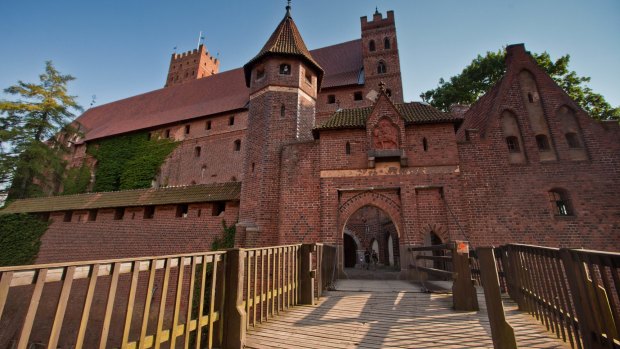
[
  {"x": 484, "y": 71},
  {"x": 33, "y": 133}
]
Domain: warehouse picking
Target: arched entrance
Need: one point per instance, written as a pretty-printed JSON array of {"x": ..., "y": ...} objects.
[{"x": 373, "y": 230}]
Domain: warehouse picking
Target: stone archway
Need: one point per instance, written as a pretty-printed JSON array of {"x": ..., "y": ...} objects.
[{"x": 369, "y": 198}]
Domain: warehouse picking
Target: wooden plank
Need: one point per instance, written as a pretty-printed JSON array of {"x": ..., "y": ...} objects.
[
  {"x": 212, "y": 304},
  {"x": 32, "y": 309},
  {"x": 177, "y": 302},
  {"x": 162, "y": 305},
  {"x": 262, "y": 285},
  {"x": 61, "y": 307},
  {"x": 5, "y": 285},
  {"x": 147, "y": 303},
  {"x": 254, "y": 286},
  {"x": 190, "y": 302},
  {"x": 432, "y": 248},
  {"x": 88, "y": 301},
  {"x": 109, "y": 307},
  {"x": 201, "y": 302},
  {"x": 130, "y": 303}
]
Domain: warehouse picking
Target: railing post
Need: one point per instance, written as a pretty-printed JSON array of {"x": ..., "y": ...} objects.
[
  {"x": 502, "y": 333},
  {"x": 577, "y": 282},
  {"x": 234, "y": 314},
  {"x": 463, "y": 291},
  {"x": 306, "y": 275}
]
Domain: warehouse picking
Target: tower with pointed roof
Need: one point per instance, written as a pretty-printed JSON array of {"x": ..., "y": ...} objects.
[{"x": 284, "y": 80}]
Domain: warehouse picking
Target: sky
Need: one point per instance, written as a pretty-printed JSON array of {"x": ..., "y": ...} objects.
[{"x": 118, "y": 49}]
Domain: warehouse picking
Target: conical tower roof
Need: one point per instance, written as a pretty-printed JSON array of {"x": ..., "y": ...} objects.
[{"x": 285, "y": 41}]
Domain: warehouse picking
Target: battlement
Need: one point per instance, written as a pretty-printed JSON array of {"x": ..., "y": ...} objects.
[
  {"x": 378, "y": 21},
  {"x": 190, "y": 65}
]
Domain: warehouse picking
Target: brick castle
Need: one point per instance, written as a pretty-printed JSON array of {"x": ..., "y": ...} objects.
[{"x": 307, "y": 145}]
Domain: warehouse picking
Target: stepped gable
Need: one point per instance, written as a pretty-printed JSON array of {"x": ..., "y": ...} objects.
[
  {"x": 285, "y": 41},
  {"x": 127, "y": 198},
  {"x": 343, "y": 63},
  {"x": 412, "y": 113}
]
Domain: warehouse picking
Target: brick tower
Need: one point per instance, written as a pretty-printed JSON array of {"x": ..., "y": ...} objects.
[
  {"x": 380, "y": 54},
  {"x": 283, "y": 79},
  {"x": 191, "y": 65}
]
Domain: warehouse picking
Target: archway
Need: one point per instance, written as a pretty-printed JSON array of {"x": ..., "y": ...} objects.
[{"x": 373, "y": 230}]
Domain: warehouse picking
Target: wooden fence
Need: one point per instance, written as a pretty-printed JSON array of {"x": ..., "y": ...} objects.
[
  {"x": 573, "y": 292},
  {"x": 202, "y": 300},
  {"x": 453, "y": 264}
]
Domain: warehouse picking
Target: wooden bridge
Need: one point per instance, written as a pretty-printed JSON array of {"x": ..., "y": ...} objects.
[{"x": 275, "y": 297}]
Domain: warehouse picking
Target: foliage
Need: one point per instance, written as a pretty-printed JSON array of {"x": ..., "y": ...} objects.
[
  {"x": 20, "y": 238},
  {"x": 33, "y": 129},
  {"x": 485, "y": 71},
  {"x": 76, "y": 180},
  {"x": 227, "y": 240},
  {"x": 128, "y": 161}
]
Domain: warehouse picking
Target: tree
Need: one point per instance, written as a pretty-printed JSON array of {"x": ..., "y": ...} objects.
[
  {"x": 484, "y": 71},
  {"x": 33, "y": 133}
]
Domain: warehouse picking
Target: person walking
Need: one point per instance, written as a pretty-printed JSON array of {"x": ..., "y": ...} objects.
[
  {"x": 375, "y": 259},
  {"x": 367, "y": 258}
]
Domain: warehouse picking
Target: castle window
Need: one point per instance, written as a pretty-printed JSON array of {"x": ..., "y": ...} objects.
[
  {"x": 386, "y": 43},
  {"x": 182, "y": 210},
  {"x": 208, "y": 125},
  {"x": 357, "y": 96},
  {"x": 168, "y": 133},
  {"x": 424, "y": 144},
  {"x": 513, "y": 144},
  {"x": 260, "y": 73},
  {"x": 282, "y": 110},
  {"x": 543, "y": 143},
  {"x": 560, "y": 203},
  {"x": 285, "y": 69},
  {"x": 331, "y": 99},
  {"x": 308, "y": 76},
  {"x": 371, "y": 46},
  {"x": 149, "y": 212},
  {"x": 218, "y": 208},
  {"x": 187, "y": 128},
  {"x": 530, "y": 97},
  {"x": 573, "y": 140},
  {"x": 119, "y": 212},
  {"x": 68, "y": 216},
  {"x": 252, "y": 167},
  {"x": 381, "y": 68},
  {"x": 148, "y": 136},
  {"x": 347, "y": 148},
  {"x": 231, "y": 120},
  {"x": 388, "y": 92},
  {"x": 237, "y": 145},
  {"x": 202, "y": 172},
  {"x": 197, "y": 152},
  {"x": 92, "y": 215}
]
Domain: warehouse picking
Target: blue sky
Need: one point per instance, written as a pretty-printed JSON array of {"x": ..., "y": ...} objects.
[{"x": 118, "y": 49}]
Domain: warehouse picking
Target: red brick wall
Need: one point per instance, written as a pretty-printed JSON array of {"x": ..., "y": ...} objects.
[{"x": 133, "y": 236}]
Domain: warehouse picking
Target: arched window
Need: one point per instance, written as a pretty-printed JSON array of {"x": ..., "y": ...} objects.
[
  {"x": 285, "y": 69},
  {"x": 560, "y": 204},
  {"x": 237, "y": 145},
  {"x": 425, "y": 144},
  {"x": 381, "y": 68},
  {"x": 543, "y": 143},
  {"x": 387, "y": 44},
  {"x": 347, "y": 148},
  {"x": 371, "y": 46},
  {"x": 513, "y": 144},
  {"x": 282, "y": 110},
  {"x": 197, "y": 152},
  {"x": 573, "y": 140}
]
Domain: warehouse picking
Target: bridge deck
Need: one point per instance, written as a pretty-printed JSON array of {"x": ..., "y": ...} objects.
[{"x": 391, "y": 314}]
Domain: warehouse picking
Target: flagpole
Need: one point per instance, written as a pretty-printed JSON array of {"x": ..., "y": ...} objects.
[{"x": 199, "y": 37}]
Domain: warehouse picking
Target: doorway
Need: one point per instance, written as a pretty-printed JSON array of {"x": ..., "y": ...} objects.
[{"x": 350, "y": 251}]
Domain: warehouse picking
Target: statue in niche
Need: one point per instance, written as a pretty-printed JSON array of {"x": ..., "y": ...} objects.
[{"x": 385, "y": 135}]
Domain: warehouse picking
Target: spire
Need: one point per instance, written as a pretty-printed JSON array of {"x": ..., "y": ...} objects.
[
  {"x": 377, "y": 10},
  {"x": 288, "y": 9},
  {"x": 285, "y": 41}
]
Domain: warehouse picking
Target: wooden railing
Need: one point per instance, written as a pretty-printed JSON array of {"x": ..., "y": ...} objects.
[
  {"x": 456, "y": 267},
  {"x": 202, "y": 300},
  {"x": 573, "y": 292}
]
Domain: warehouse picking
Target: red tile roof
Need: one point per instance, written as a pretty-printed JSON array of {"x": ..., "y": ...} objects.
[
  {"x": 342, "y": 63},
  {"x": 215, "y": 94},
  {"x": 285, "y": 40}
]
